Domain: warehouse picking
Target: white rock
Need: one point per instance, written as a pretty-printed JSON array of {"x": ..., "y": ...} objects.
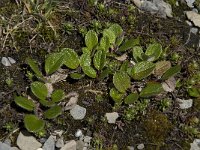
[
  {"x": 49, "y": 144},
  {"x": 140, "y": 146},
  {"x": 27, "y": 142},
  {"x": 195, "y": 145},
  {"x": 12, "y": 61},
  {"x": 39, "y": 149},
  {"x": 78, "y": 133},
  {"x": 112, "y": 117},
  {"x": 78, "y": 112},
  {"x": 72, "y": 101},
  {"x": 194, "y": 17},
  {"x": 5, "y": 62},
  {"x": 58, "y": 133},
  {"x": 80, "y": 145},
  {"x": 184, "y": 104},
  {"x": 190, "y": 3},
  {"x": 71, "y": 145},
  {"x": 165, "y": 9}
]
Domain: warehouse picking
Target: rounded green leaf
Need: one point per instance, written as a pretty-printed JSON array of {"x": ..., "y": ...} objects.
[
  {"x": 53, "y": 112},
  {"x": 85, "y": 60},
  {"x": 76, "y": 76},
  {"x": 25, "y": 103},
  {"x": 154, "y": 51},
  {"x": 99, "y": 59},
  {"x": 104, "y": 43},
  {"x": 89, "y": 71},
  {"x": 116, "y": 95},
  {"x": 110, "y": 34},
  {"x": 137, "y": 53},
  {"x": 171, "y": 72},
  {"x": 151, "y": 89},
  {"x": 57, "y": 95},
  {"x": 91, "y": 39},
  {"x": 46, "y": 103},
  {"x": 117, "y": 29},
  {"x": 71, "y": 58},
  {"x": 33, "y": 123},
  {"x": 129, "y": 44},
  {"x": 121, "y": 81},
  {"x": 34, "y": 66},
  {"x": 131, "y": 98},
  {"x": 142, "y": 70},
  {"x": 53, "y": 62},
  {"x": 39, "y": 89}
]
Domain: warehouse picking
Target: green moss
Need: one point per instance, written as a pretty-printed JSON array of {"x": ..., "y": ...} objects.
[{"x": 157, "y": 127}]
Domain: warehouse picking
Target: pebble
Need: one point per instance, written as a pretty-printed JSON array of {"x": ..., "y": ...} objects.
[
  {"x": 184, "y": 104},
  {"x": 26, "y": 142},
  {"x": 140, "y": 146},
  {"x": 4, "y": 146},
  {"x": 60, "y": 143},
  {"x": 78, "y": 133},
  {"x": 49, "y": 144},
  {"x": 112, "y": 117},
  {"x": 78, "y": 112},
  {"x": 71, "y": 145}
]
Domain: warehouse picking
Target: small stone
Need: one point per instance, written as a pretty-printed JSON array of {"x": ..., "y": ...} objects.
[
  {"x": 71, "y": 145},
  {"x": 78, "y": 133},
  {"x": 58, "y": 133},
  {"x": 130, "y": 148},
  {"x": 26, "y": 142},
  {"x": 8, "y": 142},
  {"x": 49, "y": 144},
  {"x": 112, "y": 117},
  {"x": 60, "y": 142},
  {"x": 194, "y": 17},
  {"x": 78, "y": 112},
  {"x": 184, "y": 104},
  {"x": 12, "y": 61},
  {"x": 140, "y": 146},
  {"x": 5, "y": 62},
  {"x": 195, "y": 145},
  {"x": 4, "y": 146}
]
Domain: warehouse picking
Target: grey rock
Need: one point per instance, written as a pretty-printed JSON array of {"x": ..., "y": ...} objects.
[
  {"x": 80, "y": 145},
  {"x": 49, "y": 144},
  {"x": 87, "y": 139},
  {"x": 130, "y": 148},
  {"x": 190, "y": 3},
  {"x": 27, "y": 142},
  {"x": 5, "y": 62},
  {"x": 195, "y": 145},
  {"x": 4, "y": 146},
  {"x": 60, "y": 142},
  {"x": 8, "y": 142},
  {"x": 78, "y": 112},
  {"x": 149, "y": 6},
  {"x": 14, "y": 148},
  {"x": 71, "y": 145},
  {"x": 112, "y": 117}
]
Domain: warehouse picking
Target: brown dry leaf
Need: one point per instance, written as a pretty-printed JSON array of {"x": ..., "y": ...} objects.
[
  {"x": 169, "y": 85},
  {"x": 161, "y": 68}
]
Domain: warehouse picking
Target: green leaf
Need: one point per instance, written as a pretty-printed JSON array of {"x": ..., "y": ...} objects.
[
  {"x": 91, "y": 39},
  {"x": 76, "y": 76},
  {"x": 162, "y": 67},
  {"x": 104, "y": 43},
  {"x": 154, "y": 51},
  {"x": 110, "y": 34},
  {"x": 39, "y": 89},
  {"x": 194, "y": 92},
  {"x": 89, "y": 71},
  {"x": 57, "y": 95},
  {"x": 53, "y": 62},
  {"x": 137, "y": 53},
  {"x": 119, "y": 40},
  {"x": 25, "y": 103},
  {"x": 116, "y": 95},
  {"x": 116, "y": 29},
  {"x": 142, "y": 70},
  {"x": 131, "y": 98},
  {"x": 53, "y": 112},
  {"x": 124, "y": 66},
  {"x": 34, "y": 67},
  {"x": 46, "y": 103},
  {"x": 71, "y": 58},
  {"x": 128, "y": 44},
  {"x": 171, "y": 72},
  {"x": 151, "y": 89},
  {"x": 33, "y": 123},
  {"x": 121, "y": 81},
  {"x": 85, "y": 60},
  {"x": 85, "y": 50},
  {"x": 99, "y": 59}
]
